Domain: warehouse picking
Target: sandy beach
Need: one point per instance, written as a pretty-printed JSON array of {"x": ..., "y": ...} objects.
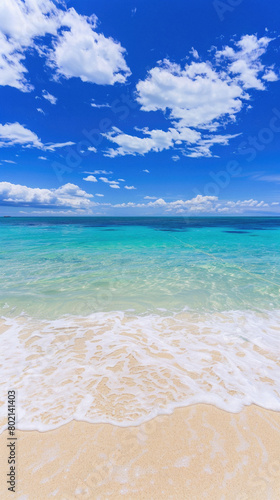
[
  {"x": 139, "y": 250},
  {"x": 197, "y": 452}
]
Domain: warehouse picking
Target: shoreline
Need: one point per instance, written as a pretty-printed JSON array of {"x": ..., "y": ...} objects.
[{"x": 196, "y": 452}]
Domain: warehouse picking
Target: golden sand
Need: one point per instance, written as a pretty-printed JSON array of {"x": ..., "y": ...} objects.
[{"x": 198, "y": 452}]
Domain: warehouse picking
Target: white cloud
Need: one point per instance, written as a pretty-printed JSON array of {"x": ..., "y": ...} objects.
[
  {"x": 175, "y": 157},
  {"x": 157, "y": 140},
  {"x": 241, "y": 204},
  {"x": 53, "y": 147},
  {"x": 194, "y": 143},
  {"x": 270, "y": 76},
  {"x": 9, "y": 161},
  {"x": 194, "y": 53},
  {"x": 49, "y": 97},
  {"x": 98, "y": 172},
  {"x": 201, "y": 204},
  {"x": 121, "y": 180},
  {"x": 42, "y": 158},
  {"x": 23, "y": 21},
  {"x": 112, "y": 184},
  {"x": 57, "y": 212},
  {"x": 203, "y": 148},
  {"x": 40, "y": 111},
  {"x": 20, "y": 24},
  {"x": 15, "y": 133},
  {"x": 147, "y": 171},
  {"x": 100, "y": 195},
  {"x": 90, "y": 178},
  {"x": 245, "y": 61},
  {"x": 12, "y": 70},
  {"x": 68, "y": 195},
  {"x": 105, "y": 105},
  {"x": 129, "y": 187},
  {"x": 201, "y": 96},
  {"x": 195, "y": 96},
  {"x": 92, "y": 149},
  {"x": 77, "y": 50}
]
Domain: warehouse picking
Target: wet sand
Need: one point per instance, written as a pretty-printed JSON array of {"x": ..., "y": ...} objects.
[{"x": 197, "y": 452}]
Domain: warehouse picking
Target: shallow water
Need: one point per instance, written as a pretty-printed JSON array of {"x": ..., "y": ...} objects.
[
  {"x": 121, "y": 319},
  {"x": 50, "y": 267}
]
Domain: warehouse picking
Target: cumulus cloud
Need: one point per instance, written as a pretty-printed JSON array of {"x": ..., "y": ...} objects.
[
  {"x": 77, "y": 49},
  {"x": 200, "y": 204},
  {"x": 129, "y": 187},
  {"x": 201, "y": 93},
  {"x": 68, "y": 195},
  {"x": 112, "y": 184},
  {"x": 12, "y": 134},
  {"x": 194, "y": 96},
  {"x": 90, "y": 178},
  {"x": 12, "y": 69},
  {"x": 245, "y": 61},
  {"x": 195, "y": 145},
  {"x": 15, "y": 133},
  {"x": 270, "y": 76},
  {"x": 20, "y": 25},
  {"x": 197, "y": 99},
  {"x": 153, "y": 140}
]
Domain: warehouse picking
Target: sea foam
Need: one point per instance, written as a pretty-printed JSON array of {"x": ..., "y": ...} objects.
[{"x": 124, "y": 369}]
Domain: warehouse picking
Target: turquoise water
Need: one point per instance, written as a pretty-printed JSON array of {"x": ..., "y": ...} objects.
[
  {"x": 50, "y": 267},
  {"x": 121, "y": 319}
]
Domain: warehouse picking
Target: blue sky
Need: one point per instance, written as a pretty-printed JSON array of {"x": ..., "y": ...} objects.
[{"x": 139, "y": 108}]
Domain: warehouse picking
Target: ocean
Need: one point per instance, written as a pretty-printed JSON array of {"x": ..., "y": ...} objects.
[{"x": 121, "y": 319}]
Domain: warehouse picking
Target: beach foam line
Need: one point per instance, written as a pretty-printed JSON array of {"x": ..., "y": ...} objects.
[{"x": 123, "y": 369}]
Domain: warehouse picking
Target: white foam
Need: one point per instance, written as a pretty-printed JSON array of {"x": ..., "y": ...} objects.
[{"x": 124, "y": 370}]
